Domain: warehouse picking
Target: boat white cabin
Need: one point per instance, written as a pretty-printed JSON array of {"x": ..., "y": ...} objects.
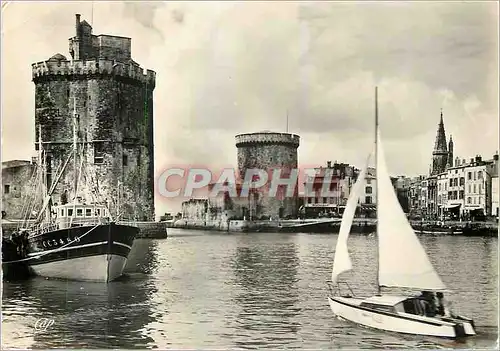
[{"x": 69, "y": 214}]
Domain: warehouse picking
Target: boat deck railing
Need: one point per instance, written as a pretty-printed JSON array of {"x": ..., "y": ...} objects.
[{"x": 77, "y": 222}]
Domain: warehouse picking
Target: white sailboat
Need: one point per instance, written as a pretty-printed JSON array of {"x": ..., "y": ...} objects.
[{"x": 402, "y": 263}]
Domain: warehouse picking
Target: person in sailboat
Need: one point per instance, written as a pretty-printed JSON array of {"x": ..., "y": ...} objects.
[
  {"x": 428, "y": 303},
  {"x": 443, "y": 306}
]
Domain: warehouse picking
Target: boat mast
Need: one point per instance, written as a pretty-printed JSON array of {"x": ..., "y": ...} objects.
[
  {"x": 376, "y": 185},
  {"x": 43, "y": 175},
  {"x": 75, "y": 117}
]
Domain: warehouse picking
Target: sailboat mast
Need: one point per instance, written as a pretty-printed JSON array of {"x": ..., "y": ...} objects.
[{"x": 376, "y": 185}]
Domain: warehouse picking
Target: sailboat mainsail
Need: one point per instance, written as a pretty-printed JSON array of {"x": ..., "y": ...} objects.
[
  {"x": 402, "y": 259},
  {"x": 342, "y": 262}
]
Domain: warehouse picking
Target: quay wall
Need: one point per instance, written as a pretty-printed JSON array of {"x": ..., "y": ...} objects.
[{"x": 360, "y": 225}]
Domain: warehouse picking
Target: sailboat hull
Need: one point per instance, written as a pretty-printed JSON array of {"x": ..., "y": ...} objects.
[
  {"x": 350, "y": 309},
  {"x": 87, "y": 253}
]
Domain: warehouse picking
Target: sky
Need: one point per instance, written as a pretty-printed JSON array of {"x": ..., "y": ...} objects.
[{"x": 225, "y": 68}]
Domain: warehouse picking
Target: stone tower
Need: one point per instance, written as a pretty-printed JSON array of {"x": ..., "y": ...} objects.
[
  {"x": 450, "y": 153},
  {"x": 107, "y": 98},
  {"x": 440, "y": 153},
  {"x": 268, "y": 151}
]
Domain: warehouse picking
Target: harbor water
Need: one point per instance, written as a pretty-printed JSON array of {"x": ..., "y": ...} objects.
[{"x": 209, "y": 290}]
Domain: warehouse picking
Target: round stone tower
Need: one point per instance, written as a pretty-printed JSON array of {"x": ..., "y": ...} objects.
[
  {"x": 269, "y": 151},
  {"x": 107, "y": 98}
]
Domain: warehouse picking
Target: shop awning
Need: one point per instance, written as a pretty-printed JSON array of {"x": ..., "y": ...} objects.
[{"x": 453, "y": 206}]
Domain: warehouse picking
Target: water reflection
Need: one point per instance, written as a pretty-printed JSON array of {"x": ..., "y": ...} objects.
[
  {"x": 85, "y": 314},
  {"x": 265, "y": 277},
  {"x": 143, "y": 258}
]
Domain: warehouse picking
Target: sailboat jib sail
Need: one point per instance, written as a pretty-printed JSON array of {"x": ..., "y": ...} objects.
[
  {"x": 342, "y": 262},
  {"x": 403, "y": 261}
]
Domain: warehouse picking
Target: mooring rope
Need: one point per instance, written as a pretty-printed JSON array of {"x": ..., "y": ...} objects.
[{"x": 49, "y": 251}]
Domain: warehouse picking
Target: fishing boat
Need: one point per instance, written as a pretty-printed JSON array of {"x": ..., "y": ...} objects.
[
  {"x": 402, "y": 264},
  {"x": 78, "y": 239}
]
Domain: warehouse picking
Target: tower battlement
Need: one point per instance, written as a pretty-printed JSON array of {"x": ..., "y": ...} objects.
[
  {"x": 61, "y": 67},
  {"x": 249, "y": 139}
]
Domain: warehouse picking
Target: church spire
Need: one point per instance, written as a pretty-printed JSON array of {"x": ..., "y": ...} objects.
[{"x": 440, "y": 153}]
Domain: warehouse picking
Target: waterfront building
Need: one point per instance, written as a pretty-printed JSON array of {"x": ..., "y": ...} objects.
[
  {"x": 17, "y": 176},
  {"x": 108, "y": 98},
  {"x": 195, "y": 209},
  {"x": 339, "y": 179},
  {"x": 269, "y": 151},
  {"x": 415, "y": 200},
  {"x": 477, "y": 188},
  {"x": 402, "y": 187},
  {"x": 465, "y": 189},
  {"x": 493, "y": 171},
  {"x": 422, "y": 200}
]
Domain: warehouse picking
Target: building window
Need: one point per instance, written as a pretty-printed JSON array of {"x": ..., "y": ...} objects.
[
  {"x": 325, "y": 200},
  {"x": 125, "y": 160},
  {"x": 479, "y": 175},
  {"x": 88, "y": 212},
  {"x": 451, "y": 182},
  {"x": 480, "y": 200},
  {"x": 309, "y": 200},
  {"x": 474, "y": 188},
  {"x": 455, "y": 181},
  {"x": 469, "y": 175},
  {"x": 368, "y": 190},
  {"x": 6, "y": 188},
  {"x": 461, "y": 194},
  {"x": 368, "y": 181},
  {"x": 79, "y": 212},
  {"x": 462, "y": 181},
  {"x": 368, "y": 200},
  {"x": 98, "y": 153},
  {"x": 469, "y": 200}
]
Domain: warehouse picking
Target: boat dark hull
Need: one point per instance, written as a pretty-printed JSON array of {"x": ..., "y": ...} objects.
[{"x": 88, "y": 253}]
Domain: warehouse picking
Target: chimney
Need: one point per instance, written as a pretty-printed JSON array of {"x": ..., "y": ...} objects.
[
  {"x": 457, "y": 161},
  {"x": 77, "y": 25},
  {"x": 329, "y": 164},
  {"x": 478, "y": 158},
  {"x": 463, "y": 161},
  {"x": 34, "y": 160},
  {"x": 495, "y": 157},
  {"x": 471, "y": 160}
]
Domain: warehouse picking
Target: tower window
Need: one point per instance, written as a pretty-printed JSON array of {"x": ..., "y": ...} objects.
[
  {"x": 6, "y": 188},
  {"x": 98, "y": 153},
  {"x": 125, "y": 160}
]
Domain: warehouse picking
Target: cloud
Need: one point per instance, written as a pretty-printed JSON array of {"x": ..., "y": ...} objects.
[{"x": 229, "y": 68}]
